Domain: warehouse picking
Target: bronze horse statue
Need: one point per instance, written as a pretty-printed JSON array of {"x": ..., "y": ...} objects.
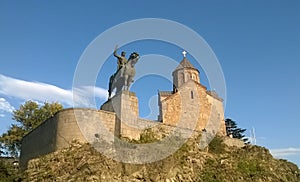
[{"x": 122, "y": 79}]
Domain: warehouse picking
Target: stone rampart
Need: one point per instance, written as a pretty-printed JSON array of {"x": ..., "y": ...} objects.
[
  {"x": 88, "y": 125},
  {"x": 58, "y": 131}
]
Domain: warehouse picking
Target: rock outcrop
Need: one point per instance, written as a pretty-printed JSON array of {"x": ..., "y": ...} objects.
[{"x": 218, "y": 162}]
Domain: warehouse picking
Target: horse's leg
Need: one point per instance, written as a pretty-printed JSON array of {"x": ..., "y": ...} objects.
[
  {"x": 122, "y": 71},
  {"x": 109, "y": 94},
  {"x": 126, "y": 82},
  {"x": 111, "y": 79},
  {"x": 129, "y": 81},
  {"x": 119, "y": 84}
]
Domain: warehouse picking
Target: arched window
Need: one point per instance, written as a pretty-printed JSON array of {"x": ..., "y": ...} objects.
[
  {"x": 192, "y": 95},
  {"x": 187, "y": 76},
  {"x": 181, "y": 80}
]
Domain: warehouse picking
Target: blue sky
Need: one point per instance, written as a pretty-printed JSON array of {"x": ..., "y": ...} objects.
[{"x": 257, "y": 44}]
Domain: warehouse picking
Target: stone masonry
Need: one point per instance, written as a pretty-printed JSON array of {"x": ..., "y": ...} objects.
[
  {"x": 190, "y": 96},
  {"x": 189, "y": 107}
]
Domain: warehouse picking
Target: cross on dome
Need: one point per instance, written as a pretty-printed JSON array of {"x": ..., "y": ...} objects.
[{"x": 184, "y": 53}]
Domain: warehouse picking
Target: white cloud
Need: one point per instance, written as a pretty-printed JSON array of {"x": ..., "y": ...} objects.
[
  {"x": 285, "y": 152},
  {"x": 2, "y": 115},
  {"x": 42, "y": 92},
  {"x": 5, "y": 106}
]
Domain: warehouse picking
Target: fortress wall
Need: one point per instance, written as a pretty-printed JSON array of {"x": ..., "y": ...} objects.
[
  {"x": 82, "y": 125},
  {"x": 58, "y": 132},
  {"x": 108, "y": 118},
  {"x": 162, "y": 130},
  {"x": 95, "y": 124},
  {"x": 85, "y": 124},
  {"x": 135, "y": 128},
  {"x": 129, "y": 131},
  {"x": 159, "y": 128},
  {"x": 68, "y": 128},
  {"x": 39, "y": 141}
]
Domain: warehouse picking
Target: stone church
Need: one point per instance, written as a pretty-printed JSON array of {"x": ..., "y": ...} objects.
[
  {"x": 186, "y": 80},
  {"x": 189, "y": 106}
]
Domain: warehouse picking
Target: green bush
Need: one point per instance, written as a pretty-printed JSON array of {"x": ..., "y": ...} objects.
[
  {"x": 8, "y": 172},
  {"x": 216, "y": 145},
  {"x": 148, "y": 136},
  {"x": 210, "y": 176},
  {"x": 249, "y": 167}
]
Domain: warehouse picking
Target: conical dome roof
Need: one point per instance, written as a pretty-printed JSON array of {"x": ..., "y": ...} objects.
[{"x": 185, "y": 63}]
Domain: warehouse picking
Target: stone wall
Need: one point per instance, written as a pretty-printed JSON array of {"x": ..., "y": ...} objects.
[
  {"x": 218, "y": 103},
  {"x": 40, "y": 141},
  {"x": 193, "y": 98},
  {"x": 87, "y": 125},
  {"x": 171, "y": 109},
  {"x": 94, "y": 124},
  {"x": 66, "y": 125},
  {"x": 67, "y": 128},
  {"x": 82, "y": 124}
]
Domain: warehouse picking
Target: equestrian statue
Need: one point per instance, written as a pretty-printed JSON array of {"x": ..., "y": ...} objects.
[{"x": 123, "y": 77}]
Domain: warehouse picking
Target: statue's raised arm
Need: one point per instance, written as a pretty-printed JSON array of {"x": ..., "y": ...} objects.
[
  {"x": 121, "y": 58},
  {"x": 115, "y": 52}
]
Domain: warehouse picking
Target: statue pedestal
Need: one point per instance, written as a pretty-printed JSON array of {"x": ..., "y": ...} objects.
[{"x": 125, "y": 105}]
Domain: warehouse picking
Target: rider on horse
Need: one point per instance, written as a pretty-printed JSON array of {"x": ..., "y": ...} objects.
[{"x": 121, "y": 59}]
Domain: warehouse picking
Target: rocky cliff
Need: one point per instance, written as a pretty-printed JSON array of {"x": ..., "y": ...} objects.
[{"x": 218, "y": 162}]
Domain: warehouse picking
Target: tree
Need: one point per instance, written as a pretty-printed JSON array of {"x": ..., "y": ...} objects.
[
  {"x": 233, "y": 130},
  {"x": 28, "y": 116}
]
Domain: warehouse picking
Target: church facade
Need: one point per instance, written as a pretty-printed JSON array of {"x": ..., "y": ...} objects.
[{"x": 208, "y": 107}]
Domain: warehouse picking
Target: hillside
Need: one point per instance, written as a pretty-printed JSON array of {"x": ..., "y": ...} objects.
[{"x": 219, "y": 163}]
